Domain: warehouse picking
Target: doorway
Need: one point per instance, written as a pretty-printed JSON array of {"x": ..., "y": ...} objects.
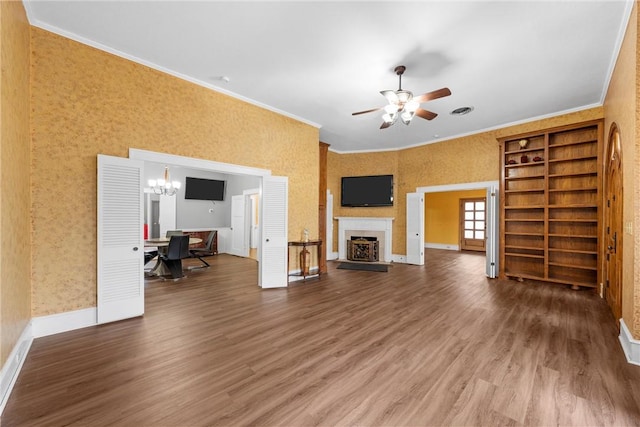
[
  {"x": 491, "y": 215},
  {"x": 273, "y": 190},
  {"x": 613, "y": 223}
]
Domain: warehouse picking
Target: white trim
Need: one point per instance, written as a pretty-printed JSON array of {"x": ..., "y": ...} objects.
[
  {"x": 332, "y": 256},
  {"x": 615, "y": 53},
  {"x": 481, "y": 185},
  {"x": 313, "y": 272},
  {"x": 400, "y": 259},
  {"x": 478, "y": 131},
  {"x": 62, "y": 322},
  {"x": 442, "y": 246},
  {"x": 192, "y": 162},
  {"x": 630, "y": 345},
  {"x": 13, "y": 365}
]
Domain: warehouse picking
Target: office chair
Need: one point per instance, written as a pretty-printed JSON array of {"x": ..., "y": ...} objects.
[
  {"x": 177, "y": 250},
  {"x": 174, "y": 233},
  {"x": 206, "y": 251}
]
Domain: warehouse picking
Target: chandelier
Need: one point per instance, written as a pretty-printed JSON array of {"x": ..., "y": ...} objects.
[{"x": 164, "y": 186}]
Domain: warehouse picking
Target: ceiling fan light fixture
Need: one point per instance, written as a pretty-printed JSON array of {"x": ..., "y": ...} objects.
[
  {"x": 390, "y": 95},
  {"x": 389, "y": 118},
  {"x": 406, "y": 117},
  {"x": 412, "y": 106},
  {"x": 404, "y": 96},
  {"x": 391, "y": 109}
]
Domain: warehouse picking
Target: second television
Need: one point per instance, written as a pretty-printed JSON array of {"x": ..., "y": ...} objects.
[
  {"x": 204, "y": 189},
  {"x": 367, "y": 191}
]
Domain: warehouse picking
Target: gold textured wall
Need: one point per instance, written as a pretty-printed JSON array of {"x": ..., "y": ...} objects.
[
  {"x": 621, "y": 106},
  {"x": 442, "y": 215},
  {"x": 358, "y": 164},
  {"x": 15, "y": 226},
  {"x": 474, "y": 158},
  {"x": 88, "y": 102}
]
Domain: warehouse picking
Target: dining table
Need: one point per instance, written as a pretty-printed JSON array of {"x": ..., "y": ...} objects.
[{"x": 161, "y": 244}]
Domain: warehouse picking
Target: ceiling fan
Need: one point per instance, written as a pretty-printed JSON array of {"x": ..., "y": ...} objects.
[{"x": 403, "y": 105}]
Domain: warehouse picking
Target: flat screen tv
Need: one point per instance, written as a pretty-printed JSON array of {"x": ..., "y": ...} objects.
[
  {"x": 204, "y": 189},
  {"x": 367, "y": 191}
]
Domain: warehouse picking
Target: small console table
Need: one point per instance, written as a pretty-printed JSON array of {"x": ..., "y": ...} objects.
[{"x": 303, "y": 257}]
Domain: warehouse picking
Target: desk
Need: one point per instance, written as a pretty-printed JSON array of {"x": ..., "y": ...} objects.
[
  {"x": 303, "y": 257},
  {"x": 164, "y": 241},
  {"x": 162, "y": 244}
]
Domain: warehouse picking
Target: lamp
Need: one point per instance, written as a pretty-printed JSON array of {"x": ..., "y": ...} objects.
[{"x": 164, "y": 186}]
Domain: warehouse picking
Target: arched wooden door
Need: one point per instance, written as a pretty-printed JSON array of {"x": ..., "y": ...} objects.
[{"x": 613, "y": 223}]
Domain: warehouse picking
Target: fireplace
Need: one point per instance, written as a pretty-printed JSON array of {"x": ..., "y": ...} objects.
[
  {"x": 363, "y": 248},
  {"x": 368, "y": 227}
]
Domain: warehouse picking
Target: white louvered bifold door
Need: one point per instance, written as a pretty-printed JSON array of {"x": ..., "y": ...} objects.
[
  {"x": 120, "y": 248},
  {"x": 273, "y": 259},
  {"x": 415, "y": 228}
]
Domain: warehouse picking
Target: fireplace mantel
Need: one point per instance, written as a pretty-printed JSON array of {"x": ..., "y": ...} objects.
[{"x": 352, "y": 223}]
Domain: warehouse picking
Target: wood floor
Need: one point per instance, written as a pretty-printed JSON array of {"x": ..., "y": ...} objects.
[{"x": 429, "y": 345}]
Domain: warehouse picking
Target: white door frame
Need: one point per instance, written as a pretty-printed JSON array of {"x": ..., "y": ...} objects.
[{"x": 492, "y": 232}]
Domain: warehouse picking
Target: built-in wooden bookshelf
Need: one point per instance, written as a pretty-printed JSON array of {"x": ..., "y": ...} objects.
[{"x": 550, "y": 210}]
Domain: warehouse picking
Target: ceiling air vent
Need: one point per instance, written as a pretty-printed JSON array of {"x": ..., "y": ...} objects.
[{"x": 461, "y": 111}]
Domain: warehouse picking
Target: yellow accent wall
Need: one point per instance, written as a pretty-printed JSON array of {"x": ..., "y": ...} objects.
[
  {"x": 442, "y": 215},
  {"x": 474, "y": 158},
  {"x": 622, "y": 106},
  {"x": 87, "y": 102},
  {"x": 15, "y": 225}
]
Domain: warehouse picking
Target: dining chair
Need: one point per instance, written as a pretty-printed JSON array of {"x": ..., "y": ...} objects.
[
  {"x": 174, "y": 233},
  {"x": 177, "y": 250},
  {"x": 206, "y": 251}
]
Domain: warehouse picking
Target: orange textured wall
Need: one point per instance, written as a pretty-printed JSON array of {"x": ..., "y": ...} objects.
[
  {"x": 621, "y": 107},
  {"x": 473, "y": 158},
  {"x": 15, "y": 226},
  {"x": 86, "y": 102}
]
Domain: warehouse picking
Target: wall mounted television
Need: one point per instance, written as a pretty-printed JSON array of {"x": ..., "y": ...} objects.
[
  {"x": 376, "y": 190},
  {"x": 204, "y": 189}
]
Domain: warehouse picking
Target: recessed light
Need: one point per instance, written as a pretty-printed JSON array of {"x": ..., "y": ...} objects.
[{"x": 461, "y": 111}]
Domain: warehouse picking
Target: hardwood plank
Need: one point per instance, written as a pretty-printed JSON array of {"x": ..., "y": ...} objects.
[{"x": 438, "y": 344}]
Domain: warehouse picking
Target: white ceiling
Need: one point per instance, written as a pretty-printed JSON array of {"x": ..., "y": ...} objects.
[{"x": 319, "y": 61}]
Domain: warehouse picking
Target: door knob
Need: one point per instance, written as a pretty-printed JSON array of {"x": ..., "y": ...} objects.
[{"x": 135, "y": 248}]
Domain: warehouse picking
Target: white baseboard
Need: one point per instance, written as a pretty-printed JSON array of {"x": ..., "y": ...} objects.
[
  {"x": 313, "y": 272},
  {"x": 630, "y": 346},
  {"x": 332, "y": 256},
  {"x": 13, "y": 365},
  {"x": 442, "y": 246},
  {"x": 63, "y": 322},
  {"x": 402, "y": 259}
]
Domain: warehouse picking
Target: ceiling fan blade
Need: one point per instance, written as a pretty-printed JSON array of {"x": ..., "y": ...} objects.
[
  {"x": 385, "y": 125},
  {"x": 425, "y": 114},
  {"x": 366, "y": 111},
  {"x": 440, "y": 93}
]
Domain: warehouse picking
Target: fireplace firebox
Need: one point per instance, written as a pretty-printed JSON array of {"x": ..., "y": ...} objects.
[{"x": 363, "y": 248}]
